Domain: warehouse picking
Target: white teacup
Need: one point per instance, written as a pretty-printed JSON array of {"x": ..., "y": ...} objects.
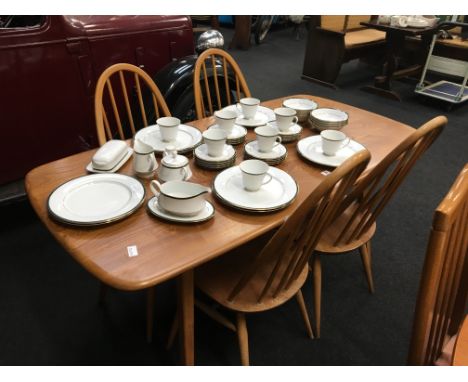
[
  {"x": 249, "y": 107},
  {"x": 225, "y": 119},
  {"x": 267, "y": 138},
  {"x": 215, "y": 139},
  {"x": 169, "y": 127},
  {"x": 332, "y": 141},
  {"x": 285, "y": 118},
  {"x": 254, "y": 174}
]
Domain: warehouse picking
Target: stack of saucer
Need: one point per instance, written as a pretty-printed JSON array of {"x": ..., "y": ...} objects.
[
  {"x": 236, "y": 136},
  {"x": 273, "y": 158},
  {"x": 293, "y": 134},
  {"x": 328, "y": 119},
  {"x": 202, "y": 159}
]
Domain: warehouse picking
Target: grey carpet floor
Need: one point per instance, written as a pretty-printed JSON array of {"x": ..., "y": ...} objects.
[{"x": 48, "y": 303}]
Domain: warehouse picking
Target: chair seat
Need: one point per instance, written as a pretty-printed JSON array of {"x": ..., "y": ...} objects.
[
  {"x": 362, "y": 37},
  {"x": 328, "y": 239},
  {"x": 218, "y": 277}
]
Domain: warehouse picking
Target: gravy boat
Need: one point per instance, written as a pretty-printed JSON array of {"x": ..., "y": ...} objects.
[{"x": 180, "y": 198}]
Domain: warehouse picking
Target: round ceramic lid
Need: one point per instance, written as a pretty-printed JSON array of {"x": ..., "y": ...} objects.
[{"x": 175, "y": 161}]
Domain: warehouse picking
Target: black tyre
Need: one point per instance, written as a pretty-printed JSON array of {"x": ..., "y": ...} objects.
[{"x": 262, "y": 26}]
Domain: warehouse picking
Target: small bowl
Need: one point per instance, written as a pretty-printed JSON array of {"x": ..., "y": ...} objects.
[{"x": 303, "y": 107}]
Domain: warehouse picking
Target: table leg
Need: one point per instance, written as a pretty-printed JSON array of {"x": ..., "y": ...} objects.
[{"x": 185, "y": 317}]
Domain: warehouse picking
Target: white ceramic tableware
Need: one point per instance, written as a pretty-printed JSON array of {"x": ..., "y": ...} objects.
[
  {"x": 144, "y": 160},
  {"x": 254, "y": 174},
  {"x": 267, "y": 138},
  {"x": 169, "y": 127},
  {"x": 285, "y": 118},
  {"x": 249, "y": 107},
  {"x": 109, "y": 154},
  {"x": 332, "y": 141},
  {"x": 215, "y": 139},
  {"x": 96, "y": 199},
  {"x": 174, "y": 166},
  {"x": 180, "y": 198},
  {"x": 399, "y": 21},
  {"x": 206, "y": 213},
  {"x": 225, "y": 119},
  {"x": 303, "y": 107}
]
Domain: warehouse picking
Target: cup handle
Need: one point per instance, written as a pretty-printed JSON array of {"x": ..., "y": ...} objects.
[
  {"x": 155, "y": 187},
  {"x": 278, "y": 141},
  {"x": 269, "y": 179},
  {"x": 346, "y": 143},
  {"x": 184, "y": 173},
  {"x": 295, "y": 120}
]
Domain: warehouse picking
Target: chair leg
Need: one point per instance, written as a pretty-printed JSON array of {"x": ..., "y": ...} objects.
[
  {"x": 243, "y": 339},
  {"x": 317, "y": 274},
  {"x": 365, "y": 251},
  {"x": 173, "y": 332},
  {"x": 102, "y": 293},
  {"x": 149, "y": 314},
  {"x": 304, "y": 314}
]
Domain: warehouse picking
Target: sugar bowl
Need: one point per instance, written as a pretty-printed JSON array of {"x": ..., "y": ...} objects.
[{"x": 173, "y": 166}]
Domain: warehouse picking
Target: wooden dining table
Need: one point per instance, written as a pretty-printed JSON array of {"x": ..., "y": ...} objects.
[
  {"x": 460, "y": 351},
  {"x": 169, "y": 250}
]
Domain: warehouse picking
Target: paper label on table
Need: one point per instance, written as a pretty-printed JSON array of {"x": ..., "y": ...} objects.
[
  {"x": 325, "y": 172},
  {"x": 132, "y": 251}
]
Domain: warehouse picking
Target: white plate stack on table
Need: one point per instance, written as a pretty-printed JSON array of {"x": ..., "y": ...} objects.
[
  {"x": 96, "y": 199},
  {"x": 250, "y": 113},
  {"x": 225, "y": 119},
  {"x": 214, "y": 153},
  {"x": 303, "y": 107},
  {"x": 286, "y": 124},
  {"x": 236, "y": 187},
  {"x": 267, "y": 147},
  {"x": 330, "y": 148},
  {"x": 169, "y": 131},
  {"x": 328, "y": 119},
  {"x": 110, "y": 157},
  {"x": 180, "y": 202}
]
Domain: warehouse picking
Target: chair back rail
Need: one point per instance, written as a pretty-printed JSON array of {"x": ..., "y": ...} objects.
[
  {"x": 374, "y": 191},
  {"x": 209, "y": 96},
  {"x": 116, "y": 112},
  {"x": 292, "y": 245},
  {"x": 443, "y": 290}
]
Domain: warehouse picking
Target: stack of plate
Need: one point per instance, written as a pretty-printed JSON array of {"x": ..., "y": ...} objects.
[
  {"x": 273, "y": 158},
  {"x": 293, "y": 134},
  {"x": 237, "y": 135},
  {"x": 205, "y": 161},
  {"x": 328, "y": 119}
]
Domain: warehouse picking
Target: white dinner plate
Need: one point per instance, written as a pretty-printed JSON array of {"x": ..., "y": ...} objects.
[
  {"x": 205, "y": 214},
  {"x": 188, "y": 137},
  {"x": 311, "y": 149},
  {"x": 116, "y": 168},
  {"x": 274, "y": 195},
  {"x": 96, "y": 199},
  {"x": 277, "y": 152}
]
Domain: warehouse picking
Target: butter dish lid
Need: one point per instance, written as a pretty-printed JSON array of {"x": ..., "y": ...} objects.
[{"x": 109, "y": 154}]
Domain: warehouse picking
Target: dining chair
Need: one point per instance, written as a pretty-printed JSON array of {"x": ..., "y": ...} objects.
[
  {"x": 355, "y": 223},
  {"x": 443, "y": 289},
  {"x": 131, "y": 90},
  {"x": 125, "y": 86},
  {"x": 217, "y": 82},
  {"x": 268, "y": 272}
]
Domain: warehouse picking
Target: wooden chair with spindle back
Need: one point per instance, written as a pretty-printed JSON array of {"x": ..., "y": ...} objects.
[
  {"x": 113, "y": 89},
  {"x": 110, "y": 123},
  {"x": 443, "y": 289},
  {"x": 355, "y": 224},
  {"x": 216, "y": 77},
  {"x": 258, "y": 277}
]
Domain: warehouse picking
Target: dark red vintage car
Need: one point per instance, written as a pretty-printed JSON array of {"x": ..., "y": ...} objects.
[{"x": 49, "y": 66}]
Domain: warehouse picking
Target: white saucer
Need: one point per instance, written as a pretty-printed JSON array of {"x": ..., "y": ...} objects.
[
  {"x": 311, "y": 149},
  {"x": 251, "y": 149},
  {"x": 293, "y": 129},
  {"x": 205, "y": 214},
  {"x": 117, "y": 167},
  {"x": 201, "y": 152},
  {"x": 188, "y": 137},
  {"x": 272, "y": 196},
  {"x": 262, "y": 116},
  {"x": 237, "y": 132}
]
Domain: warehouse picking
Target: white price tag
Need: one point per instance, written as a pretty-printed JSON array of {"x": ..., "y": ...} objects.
[
  {"x": 325, "y": 172},
  {"x": 132, "y": 251}
]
